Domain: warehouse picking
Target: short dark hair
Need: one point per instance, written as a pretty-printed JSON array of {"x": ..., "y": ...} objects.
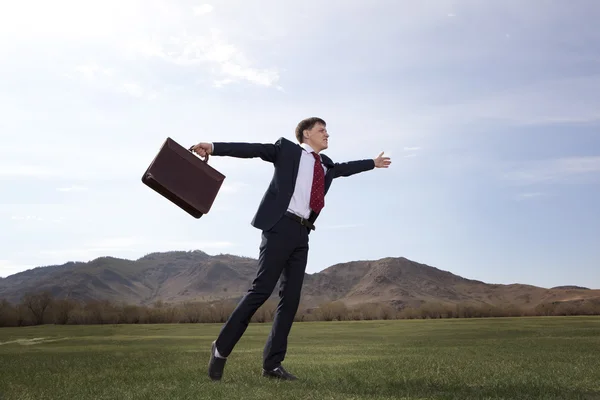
[{"x": 307, "y": 123}]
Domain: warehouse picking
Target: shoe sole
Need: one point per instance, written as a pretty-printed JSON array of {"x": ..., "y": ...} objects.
[{"x": 267, "y": 375}]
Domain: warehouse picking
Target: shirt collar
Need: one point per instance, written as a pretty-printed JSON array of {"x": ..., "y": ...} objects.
[{"x": 306, "y": 147}]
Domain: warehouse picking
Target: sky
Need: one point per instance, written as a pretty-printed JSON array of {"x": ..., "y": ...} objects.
[{"x": 489, "y": 110}]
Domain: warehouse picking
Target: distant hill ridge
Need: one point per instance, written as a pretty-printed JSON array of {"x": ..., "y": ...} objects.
[
  {"x": 568, "y": 287},
  {"x": 179, "y": 276}
]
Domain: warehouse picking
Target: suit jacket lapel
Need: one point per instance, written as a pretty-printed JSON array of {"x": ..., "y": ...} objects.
[
  {"x": 327, "y": 161},
  {"x": 329, "y": 175}
]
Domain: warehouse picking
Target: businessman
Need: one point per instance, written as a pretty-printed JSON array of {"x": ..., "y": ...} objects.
[{"x": 287, "y": 213}]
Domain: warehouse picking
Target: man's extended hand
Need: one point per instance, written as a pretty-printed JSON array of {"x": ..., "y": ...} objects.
[
  {"x": 382, "y": 162},
  {"x": 202, "y": 149}
]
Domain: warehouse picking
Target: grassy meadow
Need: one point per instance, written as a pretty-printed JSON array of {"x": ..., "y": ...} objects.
[{"x": 499, "y": 358}]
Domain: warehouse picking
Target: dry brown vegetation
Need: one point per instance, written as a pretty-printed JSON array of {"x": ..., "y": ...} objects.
[{"x": 42, "y": 308}]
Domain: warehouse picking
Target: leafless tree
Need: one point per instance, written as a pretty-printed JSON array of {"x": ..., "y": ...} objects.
[
  {"x": 8, "y": 314},
  {"x": 62, "y": 310},
  {"x": 37, "y": 304}
]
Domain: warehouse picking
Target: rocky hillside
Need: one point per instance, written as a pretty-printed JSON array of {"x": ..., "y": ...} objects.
[{"x": 190, "y": 276}]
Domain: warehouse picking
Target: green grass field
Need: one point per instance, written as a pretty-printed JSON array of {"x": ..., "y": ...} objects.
[{"x": 504, "y": 358}]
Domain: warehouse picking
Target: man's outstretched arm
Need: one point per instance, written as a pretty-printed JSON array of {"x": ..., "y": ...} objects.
[
  {"x": 265, "y": 151},
  {"x": 355, "y": 167}
]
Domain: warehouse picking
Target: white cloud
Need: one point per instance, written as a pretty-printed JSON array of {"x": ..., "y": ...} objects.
[
  {"x": 412, "y": 148},
  {"x": 93, "y": 71},
  {"x": 233, "y": 187},
  {"x": 116, "y": 242},
  {"x": 107, "y": 79},
  {"x": 211, "y": 53},
  {"x": 128, "y": 247},
  {"x": 533, "y": 104},
  {"x": 133, "y": 89},
  {"x": 579, "y": 164},
  {"x": 531, "y": 195},
  {"x": 74, "y": 188},
  {"x": 203, "y": 9},
  {"x": 60, "y": 256},
  {"x": 561, "y": 170},
  {"x": 236, "y": 70},
  {"x": 34, "y": 218},
  {"x": 340, "y": 226},
  {"x": 219, "y": 83},
  {"x": 16, "y": 171},
  {"x": 95, "y": 248},
  {"x": 68, "y": 18},
  {"x": 8, "y": 268},
  {"x": 197, "y": 245},
  {"x": 26, "y": 218},
  {"x": 95, "y": 168}
]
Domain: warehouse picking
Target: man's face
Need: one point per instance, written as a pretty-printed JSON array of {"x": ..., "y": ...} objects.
[{"x": 317, "y": 137}]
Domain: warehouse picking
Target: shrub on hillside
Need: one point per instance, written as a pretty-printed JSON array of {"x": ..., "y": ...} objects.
[{"x": 40, "y": 308}]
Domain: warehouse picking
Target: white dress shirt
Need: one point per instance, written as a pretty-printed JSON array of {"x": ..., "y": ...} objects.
[{"x": 300, "y": 202}]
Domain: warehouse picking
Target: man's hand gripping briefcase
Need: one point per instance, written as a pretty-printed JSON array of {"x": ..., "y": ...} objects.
[{"x": 183, "y": 178}]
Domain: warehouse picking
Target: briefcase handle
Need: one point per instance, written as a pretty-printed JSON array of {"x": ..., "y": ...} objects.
[{"x": 197, "y": 155}]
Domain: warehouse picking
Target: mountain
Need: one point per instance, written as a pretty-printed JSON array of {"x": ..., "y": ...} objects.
[{"x": 196, "y": 276}]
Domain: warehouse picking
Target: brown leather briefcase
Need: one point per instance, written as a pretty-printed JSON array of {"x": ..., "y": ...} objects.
[{"x": 184, "y": 178}]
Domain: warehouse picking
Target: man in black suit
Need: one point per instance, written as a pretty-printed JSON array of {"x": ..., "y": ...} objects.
[{"x": 286, "y": 215}]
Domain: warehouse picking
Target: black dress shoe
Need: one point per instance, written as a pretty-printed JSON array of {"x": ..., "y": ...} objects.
[
  {"x": 215, "y": 365},
  {"x": 279, "y": 373}
]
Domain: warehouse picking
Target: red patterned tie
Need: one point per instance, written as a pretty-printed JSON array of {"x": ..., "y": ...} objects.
[{"x": 317, "y": 194}]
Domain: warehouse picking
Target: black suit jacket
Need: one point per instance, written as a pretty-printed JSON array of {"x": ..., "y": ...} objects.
[{"x": 285, "y": 156}]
